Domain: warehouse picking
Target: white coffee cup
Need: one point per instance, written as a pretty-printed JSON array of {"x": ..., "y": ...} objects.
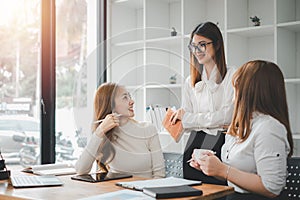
[{"x": 199, "y": 153}]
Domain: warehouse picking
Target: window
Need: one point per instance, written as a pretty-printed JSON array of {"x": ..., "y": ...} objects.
[
  {"x": 19, "y": 76},
  {"x": 76, "y": 43},
  {"x": 25, "y": 66}
]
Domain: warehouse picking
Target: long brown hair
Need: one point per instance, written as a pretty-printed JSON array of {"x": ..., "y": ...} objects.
[
  {"x": 259, "y": 86},
  {"x": 104, "y": 103},
  {"x": 210, "y": 31}
]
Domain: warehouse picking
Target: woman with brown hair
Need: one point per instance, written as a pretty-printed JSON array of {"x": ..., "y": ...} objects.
[
  {"x": 207, "y": 96},
  {"x": 119, "y": 143},
  {"x": 259, "y": 138}
]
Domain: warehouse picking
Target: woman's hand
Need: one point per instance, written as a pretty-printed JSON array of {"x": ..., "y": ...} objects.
[
  {"x": 177, "y": 115},
  {"x": 194, "y": 163},
  {"x": 210, "y": 165},
  {"x": 110, "y": 121}
]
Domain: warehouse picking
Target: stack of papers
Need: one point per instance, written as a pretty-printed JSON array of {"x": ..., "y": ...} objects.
[{"x": 51, "y": 169}]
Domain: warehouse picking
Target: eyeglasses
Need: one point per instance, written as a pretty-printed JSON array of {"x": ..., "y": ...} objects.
[
  {"x": 200, "y": 48},
  {"x": 126, "y": 97}
]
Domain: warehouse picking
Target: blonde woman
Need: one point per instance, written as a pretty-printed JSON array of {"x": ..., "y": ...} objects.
[{"x": 119, "y": 143}]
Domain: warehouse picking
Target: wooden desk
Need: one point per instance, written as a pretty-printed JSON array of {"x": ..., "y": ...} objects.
[{"x": 77, "y": 189}]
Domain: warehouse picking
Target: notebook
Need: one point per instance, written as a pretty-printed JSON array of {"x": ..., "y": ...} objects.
[
  {"x": 172, "y": 192},
  {"x": 159, "y": 182},
  {"x": 51, "y": 169},
  {"x": 176, "y": 129},
  {"x": 35, "y": 181}
]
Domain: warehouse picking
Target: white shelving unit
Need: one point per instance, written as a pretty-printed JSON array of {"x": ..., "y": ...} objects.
[{"x": 143, "y": 55}]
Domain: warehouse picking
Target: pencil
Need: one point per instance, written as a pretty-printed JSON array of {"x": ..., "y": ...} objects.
[{"x": 101, "y": 120}]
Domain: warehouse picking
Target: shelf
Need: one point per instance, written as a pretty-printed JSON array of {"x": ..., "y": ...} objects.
[
  {"x": 154, "y": 86},
  {"x": 296, "y": 136},
  {"x": 143, "y": 27},
  {"x": 164, "y": 40},
  {"x": 164, "y": 86},
  {"x": 130, "y": 43},
  {"x": 187, "y": 36},
  {"x": 253, "y": 31},
  {"x": 135, "y": 87},
  {"x": 172, "y": 40},
  {"x": 132, "y": 3},
  {"x": 292, "y": 26},
  {"x": 292, "y": 80},
  {"x": 171, "y": 1}
]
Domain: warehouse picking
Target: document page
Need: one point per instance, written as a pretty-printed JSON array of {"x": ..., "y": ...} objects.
[
  {"x": 58, "y": 171},
  {"x": 161, "y": 182},
  {"x": 51, "y": 169},
  {"x": 120, "y": 195}
]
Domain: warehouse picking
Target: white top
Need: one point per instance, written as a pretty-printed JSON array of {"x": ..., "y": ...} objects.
[
  {"x": 264, "y": 153},
  {"x": 138, "y": 151},
  {"x": 208, "y": 105}
]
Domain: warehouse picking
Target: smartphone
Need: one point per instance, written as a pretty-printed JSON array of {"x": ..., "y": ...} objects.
[{"x": 99, "y": 177}]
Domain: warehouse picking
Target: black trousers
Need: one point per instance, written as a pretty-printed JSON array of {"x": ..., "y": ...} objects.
[{"x": 201, "y": 140}]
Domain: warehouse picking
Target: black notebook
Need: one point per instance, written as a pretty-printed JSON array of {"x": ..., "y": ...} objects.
[{"x": 172, "y": 192}]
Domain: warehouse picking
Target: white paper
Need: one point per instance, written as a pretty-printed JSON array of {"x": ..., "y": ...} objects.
[
  {"x": 58, "y": 171},
  {"x": 161, "y": 182},
  {"x": 52, "y": 169},
  {"x": 121, "y": 195}
]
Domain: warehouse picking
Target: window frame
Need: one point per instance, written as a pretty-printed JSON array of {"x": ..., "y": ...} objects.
[{"x": 48, "y": 68}]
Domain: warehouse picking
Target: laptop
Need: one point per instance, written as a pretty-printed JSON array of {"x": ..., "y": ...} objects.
[{"x": 35, "y": 181}]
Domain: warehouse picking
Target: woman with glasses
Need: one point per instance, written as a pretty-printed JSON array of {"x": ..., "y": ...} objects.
[
  {"x": 119, "y": 143},
  {"x": 207, "y": 96},
  {"x": 259, "y": 138}
]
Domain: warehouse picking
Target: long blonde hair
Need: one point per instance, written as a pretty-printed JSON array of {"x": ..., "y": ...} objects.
[
  {"x": 104, "y": 103},
  {"x": 259, "y": 86}
]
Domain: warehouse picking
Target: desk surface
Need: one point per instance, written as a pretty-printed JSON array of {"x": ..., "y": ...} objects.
[{"x": 77, "y": 189}]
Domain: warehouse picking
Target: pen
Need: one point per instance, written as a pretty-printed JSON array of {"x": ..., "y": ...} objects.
[
  {"x": 98, "y": 121},
  {"x": 101, "y": 120}
]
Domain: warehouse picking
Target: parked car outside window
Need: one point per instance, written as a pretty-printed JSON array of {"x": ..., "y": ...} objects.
[{"x": 14, "y": 130}]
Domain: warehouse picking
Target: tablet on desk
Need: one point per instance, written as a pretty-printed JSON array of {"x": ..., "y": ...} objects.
[{"x": 99, "y": 177}]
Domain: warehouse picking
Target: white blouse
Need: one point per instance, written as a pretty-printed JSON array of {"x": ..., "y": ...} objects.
[
  {"x": 137, "y": 151},
  {"x": 264, "y": 153},
  {"x": 208, "y": 105}
]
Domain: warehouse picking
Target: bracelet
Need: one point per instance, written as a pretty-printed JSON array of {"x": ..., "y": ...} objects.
[{"x": 227, "y": 172}]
